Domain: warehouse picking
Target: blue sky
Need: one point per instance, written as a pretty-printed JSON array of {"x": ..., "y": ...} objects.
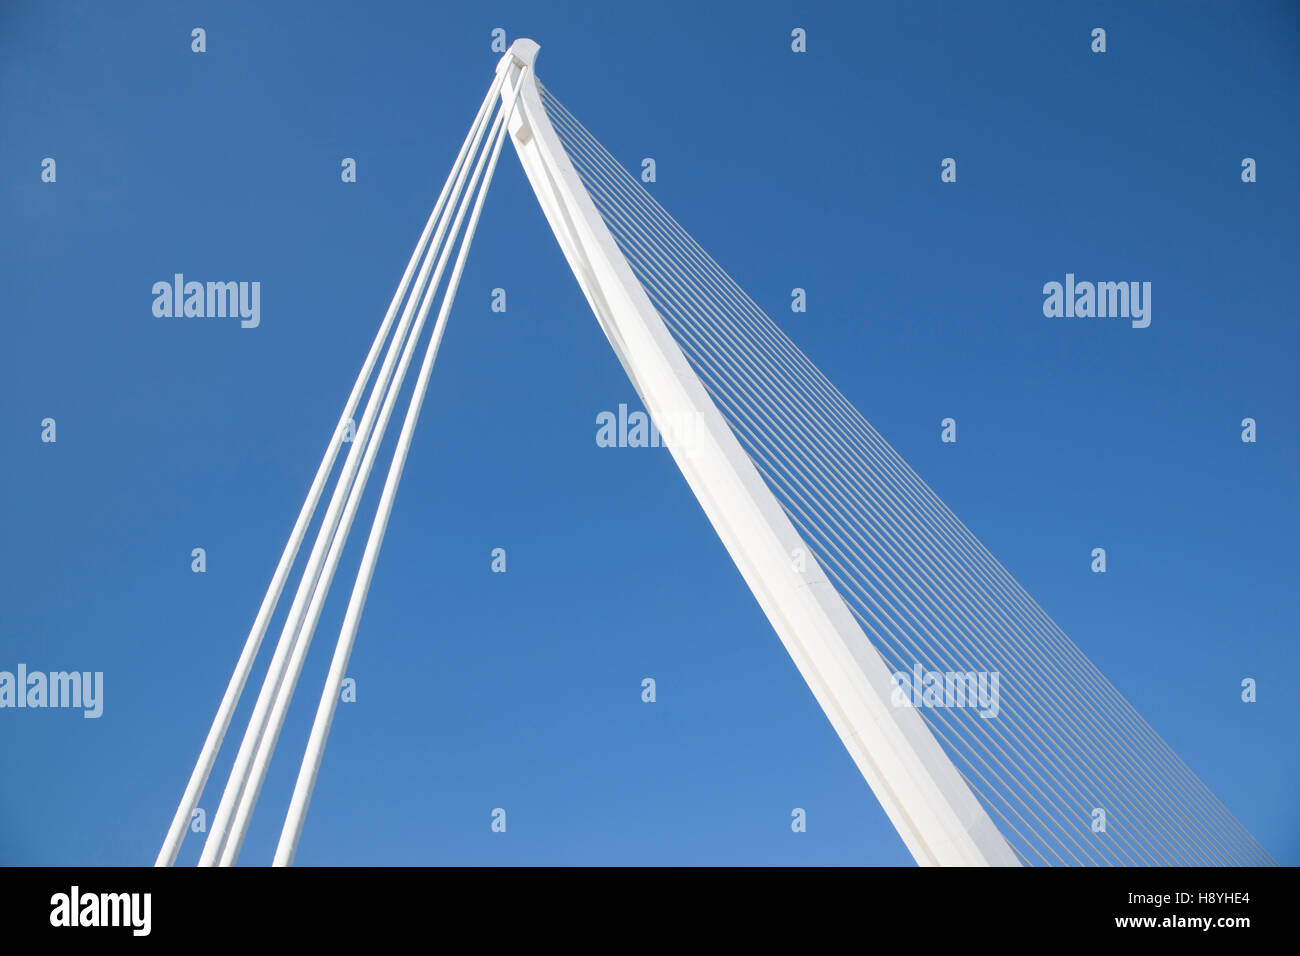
[{"x": 819, "y": 170}]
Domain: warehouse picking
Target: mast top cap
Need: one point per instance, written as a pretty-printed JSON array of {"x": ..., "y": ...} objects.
[{"x": 523, "y": 52}]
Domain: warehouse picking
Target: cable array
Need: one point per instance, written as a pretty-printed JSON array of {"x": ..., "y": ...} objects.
[{"x": 1061, "y": 761}]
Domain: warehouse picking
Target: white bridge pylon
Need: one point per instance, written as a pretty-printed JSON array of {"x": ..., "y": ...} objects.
[
  {"x": 934, "y": 811},
  {"x": 889, "y": 558}
]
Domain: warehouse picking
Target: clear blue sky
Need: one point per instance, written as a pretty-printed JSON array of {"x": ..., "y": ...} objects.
[{"x": 480, "y": 690}]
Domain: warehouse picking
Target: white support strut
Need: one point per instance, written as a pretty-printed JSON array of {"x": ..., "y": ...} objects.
[
  {"x": 938, "y": 817},
  {"x": 234, "y": 690},
  {"x": 267, "y": 743},
  {"x": 311, "y": 761}
]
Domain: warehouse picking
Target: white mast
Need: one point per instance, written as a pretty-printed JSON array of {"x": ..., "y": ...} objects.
[{"x": 926, "y": 798}]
